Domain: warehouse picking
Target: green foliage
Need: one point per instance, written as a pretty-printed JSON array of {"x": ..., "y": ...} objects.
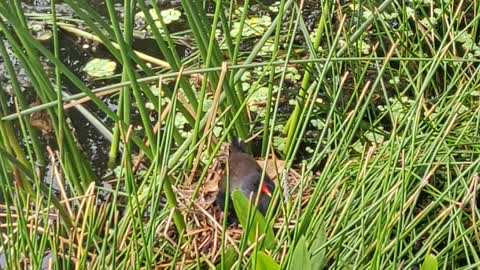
[
  {"x": 252, "y": 221},
  {"x": 381, "y": 105},
  {"x": 318, "y": 256},
  {"x": 429, "y": 263},
  {"x": 228, "y": 261},
  {"x": 265, "y": 262},
  {"x": 301, "y": 256}
]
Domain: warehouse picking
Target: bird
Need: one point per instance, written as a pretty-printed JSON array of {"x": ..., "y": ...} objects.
[{"x": 245, "y": 175}]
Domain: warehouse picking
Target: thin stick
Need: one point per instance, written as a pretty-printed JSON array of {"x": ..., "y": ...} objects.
[{"x": 93, "y": 37}]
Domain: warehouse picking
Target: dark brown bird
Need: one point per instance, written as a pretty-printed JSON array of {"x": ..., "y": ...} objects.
[{"x": 245, "y": 175}]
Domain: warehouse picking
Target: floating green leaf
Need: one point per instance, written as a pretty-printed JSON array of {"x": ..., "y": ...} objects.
[
  {"x": 260, "y": 95},
  {"x": 254, "y": 26},
  {"x": 40, "y": 32},
  {"x": 168, "y": 15},
  {"x": 100, "y": 67},
  {"x": 374, "y": 136},
  {"x": 279, "y": 143}
]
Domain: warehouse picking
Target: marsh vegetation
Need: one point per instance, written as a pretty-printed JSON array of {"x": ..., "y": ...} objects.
[{"x": 115, "y": 117}]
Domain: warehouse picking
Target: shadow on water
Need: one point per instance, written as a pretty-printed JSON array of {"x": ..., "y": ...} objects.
[{"x": 75, "y": 52}]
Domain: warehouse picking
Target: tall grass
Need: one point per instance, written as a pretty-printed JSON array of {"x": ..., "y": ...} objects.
[{"x": 380, "y": 143}]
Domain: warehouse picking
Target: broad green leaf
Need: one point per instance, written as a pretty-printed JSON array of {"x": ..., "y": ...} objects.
[
  {"x": 228, "y": 260},
  {"x": 265, "y": 262},
  {"x": 430, "y": 263},
  {"x": 301, "y": 256},
  {"x": 241, "y": 205},
  {"x": 319, "y": 257}
]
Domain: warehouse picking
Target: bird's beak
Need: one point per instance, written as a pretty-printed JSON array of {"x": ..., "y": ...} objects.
[{"x": 266, "y": 190}]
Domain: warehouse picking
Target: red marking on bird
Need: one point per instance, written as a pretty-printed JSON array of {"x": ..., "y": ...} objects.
[{"x": 266, "y": 190}]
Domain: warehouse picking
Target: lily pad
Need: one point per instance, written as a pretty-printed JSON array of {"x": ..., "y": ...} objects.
[
  {"x": 40, "y": 33},
  {"x": 99, "y": 68},
  {"x": 168, "y": 15},
  {"x": 260, "y": 95},
  {"x": 254, "y": 26}
]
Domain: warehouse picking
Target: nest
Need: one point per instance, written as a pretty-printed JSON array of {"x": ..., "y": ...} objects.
[{"x": 204, "y": 228}]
